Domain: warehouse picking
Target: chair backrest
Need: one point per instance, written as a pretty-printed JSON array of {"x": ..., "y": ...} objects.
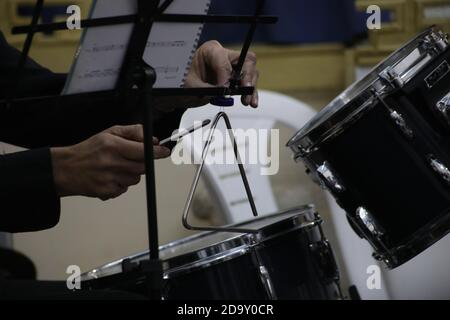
[{"x": 223, "y": 179}]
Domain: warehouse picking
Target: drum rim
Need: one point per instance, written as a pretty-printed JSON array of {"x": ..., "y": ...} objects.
[
  {"x": 240, "y": 244},
  {"x": 309, "y": 138},
  {"x": 221, "y": 251},
  {"x": 416, "y": 244}
]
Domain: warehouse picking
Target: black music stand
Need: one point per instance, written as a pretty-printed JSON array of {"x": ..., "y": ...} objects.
[{"x": 138, "y": 78}]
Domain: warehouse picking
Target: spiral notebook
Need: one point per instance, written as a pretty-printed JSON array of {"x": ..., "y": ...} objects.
[{"x": 170, "y": 47}]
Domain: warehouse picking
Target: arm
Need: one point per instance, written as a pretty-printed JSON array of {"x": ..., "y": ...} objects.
[
  {"x": 39, "y": 124},
  {"x": 103, "y": 166},
  {"x": 28, "y": 197}
]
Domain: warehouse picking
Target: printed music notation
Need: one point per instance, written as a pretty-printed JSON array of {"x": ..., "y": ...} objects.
[
  {"x": 167, "y": 44},
  {"x": 116, "y": 47},
  {"x": 167, "y": 69},
  {"x": 102, "y": 50},
  {"x": 106, "y": 48},
  {"x": 98, "y": 74}
]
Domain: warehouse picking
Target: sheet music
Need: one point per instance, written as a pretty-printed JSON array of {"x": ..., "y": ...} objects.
[{"x": 102, "y": 50}]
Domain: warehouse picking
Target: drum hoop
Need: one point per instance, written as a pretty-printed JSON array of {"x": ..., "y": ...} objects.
[
  {"x": 315, "y": 140},
  {"x": 422, "y": 239},
  {"x": 254, "y": 240},
  {"x": 305, "y": 142},
  {"x": 305, "y": 208},
  {"x": 202, "y": 264},
  {"x": 225, "y": 249}
]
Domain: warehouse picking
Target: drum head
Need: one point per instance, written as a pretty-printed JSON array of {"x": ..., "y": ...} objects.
[{"x": 208, "y": 248}]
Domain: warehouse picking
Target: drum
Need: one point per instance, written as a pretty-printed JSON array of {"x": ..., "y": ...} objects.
[
  {"x": 287, "y": 257},
  {"x": 382, "y": 148}
]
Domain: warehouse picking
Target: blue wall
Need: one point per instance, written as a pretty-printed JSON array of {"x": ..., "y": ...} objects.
[{"x": 301, "y": 21}]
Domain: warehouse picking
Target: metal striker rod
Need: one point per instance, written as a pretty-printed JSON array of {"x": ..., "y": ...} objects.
[{"x": 247, "y": 43}]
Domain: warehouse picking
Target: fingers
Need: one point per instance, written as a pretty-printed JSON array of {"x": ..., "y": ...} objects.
[
  {"x": 250, "y": 73},
  {"x": 218, "y": 59},
  {"x": 250, "y": 79},
  {"x": 127, "y": 180},
  {"x": 130, "y": 150},
  {"x": 128, "y": 143},
  {"x": 213, "y": 66},
  {"x": 254, "y": 100},
  {"x": 134, "y": 151},
  {"x": 124, "y": 166},
  {"x": 113, "y": 191},
  {"x": 194, "y": 81},
  {"x": 133, "y": 132},
  {"x": 160, "y": 152}
]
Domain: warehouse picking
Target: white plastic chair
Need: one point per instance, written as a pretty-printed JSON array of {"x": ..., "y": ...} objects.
[{"x": 223, "y": 179}]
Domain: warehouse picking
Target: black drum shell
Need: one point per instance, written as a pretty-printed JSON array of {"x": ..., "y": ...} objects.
[
  {"x": 299, "y": 261},
  {"x": 297, "y": 271},
  {"x": 389, "y": 173}
]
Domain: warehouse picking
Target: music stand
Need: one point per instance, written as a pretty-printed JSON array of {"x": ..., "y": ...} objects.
[{"x": 138, "y": 78}]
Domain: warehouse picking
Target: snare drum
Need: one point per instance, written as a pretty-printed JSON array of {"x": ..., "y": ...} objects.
[
  {"x": 382, "y": 148},
  {"x": 286, "y": 258}
]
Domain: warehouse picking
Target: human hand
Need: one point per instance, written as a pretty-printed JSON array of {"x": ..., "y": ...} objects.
[
  {"x": 105, "y": 165},
  {"x": 212, "y": 66}
]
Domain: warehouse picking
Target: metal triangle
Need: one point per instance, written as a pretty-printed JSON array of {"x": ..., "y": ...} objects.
[{"x": 224, "y": 116}]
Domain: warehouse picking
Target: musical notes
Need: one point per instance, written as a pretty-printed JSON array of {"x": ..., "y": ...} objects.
[
  {"x": 102, "y": 50},
  {"x": 98, "y": 74},
  {"x": 167, "y": 69},
  {"x": 107, "y": 48},
  {"x": 167, "y": 44}
]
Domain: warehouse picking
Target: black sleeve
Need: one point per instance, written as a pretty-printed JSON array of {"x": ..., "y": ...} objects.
[
  {"x": 59, "y": 122},
  {"x": 28, "y": 199}
]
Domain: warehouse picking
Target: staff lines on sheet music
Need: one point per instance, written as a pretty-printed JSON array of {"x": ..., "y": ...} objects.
[
  {"x": 167, "y": 44},
  {"x": 167, "y": 69},
  {"x": 113, "y": 72},
  {"x": 99, "y": 74},
  {"x": 123, "y": 46}
]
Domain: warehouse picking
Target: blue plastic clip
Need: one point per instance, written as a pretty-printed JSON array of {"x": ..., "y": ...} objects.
[{"x": 222, "y": 101}]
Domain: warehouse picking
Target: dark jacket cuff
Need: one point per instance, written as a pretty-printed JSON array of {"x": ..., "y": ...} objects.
[{"x": 28, "y": 198}]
